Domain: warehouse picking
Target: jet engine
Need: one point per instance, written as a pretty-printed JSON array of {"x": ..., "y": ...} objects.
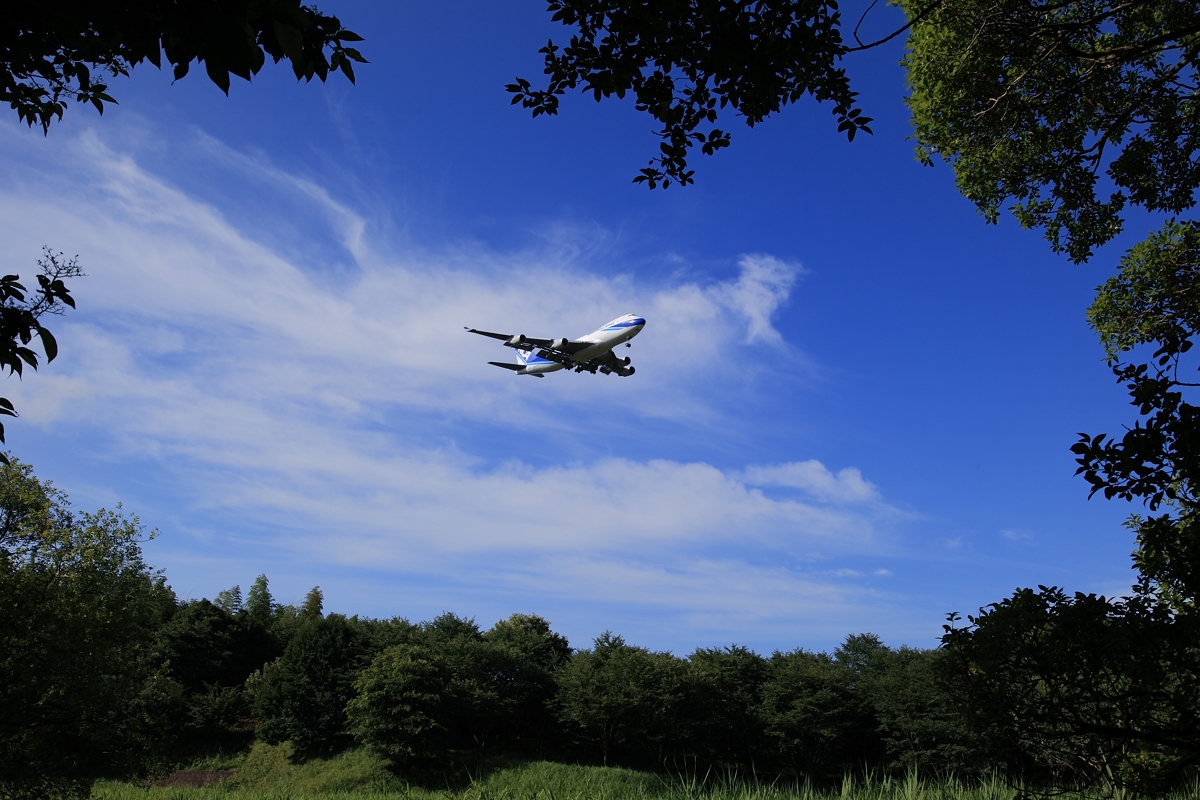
[
  {"x": 624, "y": 361},
  {"x": 558, "y": 344},
  {"x": 516, "y": 341}
]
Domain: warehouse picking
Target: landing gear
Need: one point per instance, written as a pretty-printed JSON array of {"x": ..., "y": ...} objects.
[{"x": 627, "y": 344}]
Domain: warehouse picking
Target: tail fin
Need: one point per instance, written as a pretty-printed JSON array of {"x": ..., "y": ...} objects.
[{"x": 523, "y": 355}]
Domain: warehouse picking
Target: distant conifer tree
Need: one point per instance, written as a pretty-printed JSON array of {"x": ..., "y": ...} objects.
[
  {"x": 313, "y": 603},
  {"x": 260, "y": 606},
  {"x": 230, "y": 600}
]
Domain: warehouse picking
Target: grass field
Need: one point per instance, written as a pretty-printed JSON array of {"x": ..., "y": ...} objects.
[{"x": 269, "y": 773}]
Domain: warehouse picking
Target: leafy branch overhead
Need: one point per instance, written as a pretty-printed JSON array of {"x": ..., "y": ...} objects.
[
  {"x": 1148, "y": 316},
  {"x": 20, "y": 314},
  {"x": 686, "y": 61},
  {"x": 1074, "y": 110},
  {"x": 60, "y": 52}
]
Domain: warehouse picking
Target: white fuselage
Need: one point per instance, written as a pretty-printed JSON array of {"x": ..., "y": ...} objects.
[{"x": 599, "y": 342}]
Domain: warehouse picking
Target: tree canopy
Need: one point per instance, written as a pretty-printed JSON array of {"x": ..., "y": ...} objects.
[
  {"x": 685, "y": 61},
  {"x": 55, "y": 52},
  {"x": 1074, "y": 114},
  {"x": 81, "y": 608},
  {"x": 1073, "y": 111}
]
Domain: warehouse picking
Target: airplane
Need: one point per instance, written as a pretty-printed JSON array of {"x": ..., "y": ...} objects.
[{"x": 585, "y": 354}]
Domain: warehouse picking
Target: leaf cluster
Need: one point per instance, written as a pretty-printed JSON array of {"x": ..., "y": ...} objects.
[
  {"x": 1074, "y": 109},
  {"x": 686, "y": 61},
  {"x": 64, "y": 51},
  {"x": 1148, "y": 316},
  {"x": 20, "y": 313}
]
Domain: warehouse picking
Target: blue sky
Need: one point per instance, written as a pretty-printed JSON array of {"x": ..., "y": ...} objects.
[{"x": 853, "y": 404}]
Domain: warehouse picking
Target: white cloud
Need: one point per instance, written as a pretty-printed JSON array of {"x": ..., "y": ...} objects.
[
  {"x": 336, "y": 404},
  {"x": 761, "y": 288},
  {"x": 813, "y": 477}
]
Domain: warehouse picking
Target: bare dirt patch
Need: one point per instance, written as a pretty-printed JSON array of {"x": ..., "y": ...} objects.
[{"x": 193, "y": 777}]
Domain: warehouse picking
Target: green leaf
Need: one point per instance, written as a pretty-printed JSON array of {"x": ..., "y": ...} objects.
[{"x": 49, "y": 344}]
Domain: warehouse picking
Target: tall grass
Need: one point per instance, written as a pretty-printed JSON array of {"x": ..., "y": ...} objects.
[{"x": 270, "y": 773}]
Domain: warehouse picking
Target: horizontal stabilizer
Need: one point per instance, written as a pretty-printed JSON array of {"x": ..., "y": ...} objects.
[{"x": 513, "y": 367}]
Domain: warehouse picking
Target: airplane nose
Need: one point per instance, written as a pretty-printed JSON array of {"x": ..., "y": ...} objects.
[{"x": 641, "y": 323}]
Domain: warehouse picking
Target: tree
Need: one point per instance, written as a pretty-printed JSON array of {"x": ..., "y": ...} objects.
[
  {"x": 230, "y": 600},
  {"x": 532, "y": 653},
  {"x": 1075, "y": 112},
  {"x": 617, "y": 694},
  {"x": 302, "y": 696},
  {"x": 55, "y": 52},
  {"x": 921, "y": 725},
  {"x": 474, "y": 702},
  {"x": 1148, "y": 316},
  {"x": 725, "y": 694},
  {"x": 1072, "y": 110},
  {"x": 450, "y": 686},
  {"x": 260, "y": 606},
  {"x": 811, "y": 714},
  {"x": 1081, "y": 691},
  {"x": 207, "y": 653},
  {"x": 81, "y": 608},
  {"x": 397, "y": 709},
  {"x": 314, "y": 601},
  {"x": 1084, "y": 689},
  {"x": 685, "y": 61}
]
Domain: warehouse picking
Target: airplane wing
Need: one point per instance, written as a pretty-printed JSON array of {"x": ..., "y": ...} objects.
[
  {"x": 553, "y": 346},
  {"x": 489, "y": 333},
  {"x": 608, "y": 364},
  {"x": 555, "y": 355},
  {"x": 508, "y": 337},
  {"x": 609, "y": 360}
]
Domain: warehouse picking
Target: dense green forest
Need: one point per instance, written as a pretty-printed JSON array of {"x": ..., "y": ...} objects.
[{"x": 106, "y": 673}]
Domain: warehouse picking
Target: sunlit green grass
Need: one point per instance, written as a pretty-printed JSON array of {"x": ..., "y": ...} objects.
[{"x": 270, "y": 773}]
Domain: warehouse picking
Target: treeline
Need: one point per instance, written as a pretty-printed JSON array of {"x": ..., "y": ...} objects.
[
  {"x": 417, "y": 693},
  {"x": 104, "y": 672}
]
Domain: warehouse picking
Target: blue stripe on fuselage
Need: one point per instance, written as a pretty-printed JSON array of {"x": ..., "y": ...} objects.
[{"x": 626, "y": 324}]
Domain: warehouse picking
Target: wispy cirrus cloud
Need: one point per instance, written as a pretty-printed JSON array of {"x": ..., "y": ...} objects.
[{"x": 345, "y": 404}]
